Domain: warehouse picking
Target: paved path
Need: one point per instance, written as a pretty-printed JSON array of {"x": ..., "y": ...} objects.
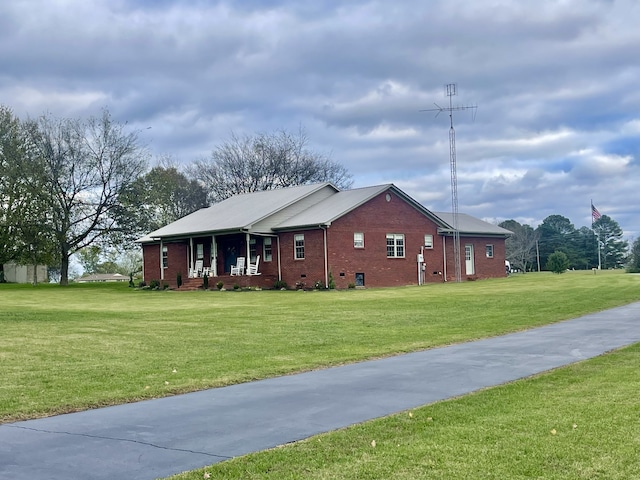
[{"x": 161, "y": 437}]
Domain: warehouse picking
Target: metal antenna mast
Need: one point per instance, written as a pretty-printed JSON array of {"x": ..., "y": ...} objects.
[{"x": 451, "y": 90}]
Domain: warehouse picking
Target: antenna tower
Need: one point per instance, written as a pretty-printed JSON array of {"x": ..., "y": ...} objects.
[{"x": 451, "y": 89}]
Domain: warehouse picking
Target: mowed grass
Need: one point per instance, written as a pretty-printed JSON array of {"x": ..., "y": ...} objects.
[
  {"x": 83, "y": 346},
  {"x": 580, "y": 422}
]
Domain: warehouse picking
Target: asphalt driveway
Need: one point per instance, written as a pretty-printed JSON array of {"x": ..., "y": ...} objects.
[{"x": 158, "y": 438}]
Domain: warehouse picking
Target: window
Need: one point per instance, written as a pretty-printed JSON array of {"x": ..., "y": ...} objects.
[
  {"x": 358, "y": 240},
  {"x": 165, "y": 257},
  {"x": 489, "y": 251},
  {"x": 199, "y": 251},
  {"x": 395, "y": 245},
  {"x": 298, "y": 242},
  {"x": 428, "y": 241},
  {"x": 267, "y": 251}
]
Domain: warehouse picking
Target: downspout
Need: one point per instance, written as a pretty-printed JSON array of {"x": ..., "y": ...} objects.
[
  {"x": 160, "y": 259},
  {"x": 279, "y": 254},
  {"x": 444, "y": 257},
  {"x": 326, "y": 258}
]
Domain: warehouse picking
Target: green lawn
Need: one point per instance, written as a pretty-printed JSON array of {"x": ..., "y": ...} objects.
[
  {"x": 581, "y": 422},
  {"x": 64, "y": 349}
]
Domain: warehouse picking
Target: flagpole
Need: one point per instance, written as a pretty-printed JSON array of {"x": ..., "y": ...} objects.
[{"x": 597, "y": 237}]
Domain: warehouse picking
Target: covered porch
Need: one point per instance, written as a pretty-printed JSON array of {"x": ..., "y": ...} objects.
[{"x": 224, "y": 256}]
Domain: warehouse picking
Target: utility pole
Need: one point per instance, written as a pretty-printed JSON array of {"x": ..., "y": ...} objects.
[{"x": 451, "y": 89}]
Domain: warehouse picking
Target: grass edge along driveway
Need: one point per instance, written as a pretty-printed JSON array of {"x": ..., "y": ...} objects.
[
  {"x": 577, "y": 422},
  {"x": 67, "y": 349}
]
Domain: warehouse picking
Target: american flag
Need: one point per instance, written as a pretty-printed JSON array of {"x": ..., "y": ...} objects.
[{"x": 595, "y": 214}]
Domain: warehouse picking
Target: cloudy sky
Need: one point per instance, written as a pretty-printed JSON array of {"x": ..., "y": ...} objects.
[{"x": 556, "y": 85}]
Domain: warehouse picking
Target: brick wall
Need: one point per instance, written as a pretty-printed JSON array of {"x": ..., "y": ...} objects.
[
  {"x": 484, "y": 267},
  {"x": 177, "y": 263},
  {"x": 311, "y": 268},
  {"x": 376, "y": 219}
]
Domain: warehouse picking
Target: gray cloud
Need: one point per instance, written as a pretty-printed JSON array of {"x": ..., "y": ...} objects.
[{"x": 555, "y": 84}]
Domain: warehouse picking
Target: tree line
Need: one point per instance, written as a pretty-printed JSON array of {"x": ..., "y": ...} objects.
[
  {"x": 85, "y": 186},
  {"x": 530, "y": 249}
]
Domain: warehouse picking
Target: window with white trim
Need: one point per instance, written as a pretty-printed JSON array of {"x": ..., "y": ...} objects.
[
  {"x": 165, "y": 257},
  {"x": 428, "y": 241},
  {"x": 199, "y": 251},
  {"x": 267, "y": 249},
  {"x": 358, "y": 240},
  {"x": 489, "y": 251},
  {"x": 298, "y": 243},
  {"x": 395, "y": 245}
]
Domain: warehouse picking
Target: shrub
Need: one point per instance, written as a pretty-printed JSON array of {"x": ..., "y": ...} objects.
[
  {"x": 319, "y": 285},
  {"x": 351, "y": 285},
  {"x": 279, "y": 285},
  {"x": 220, "y": 284},
  {"x": 179, "y": 280},
  {"x": 332, "y": 283},
  {"x": 205, "y": 282},
  {"x": 142, "y": 284},
  {"x": 557, "y": 262},
  {"x": 236, "y": 286},
  {"x": 153, "y": 284}
]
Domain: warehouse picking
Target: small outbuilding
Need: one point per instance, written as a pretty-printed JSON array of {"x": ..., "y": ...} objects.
[{"x": 16, "y": 273}]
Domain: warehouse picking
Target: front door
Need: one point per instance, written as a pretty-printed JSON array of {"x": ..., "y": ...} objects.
[
  {"x": 230, "y": 257},
  {"x": 468, "y": 256}
]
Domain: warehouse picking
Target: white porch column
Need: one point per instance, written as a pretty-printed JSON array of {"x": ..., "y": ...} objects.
[
  {"x": 214, "y": 256},
  {"x": 248, "y": 254},
  {"x": 190, "y": 255}
]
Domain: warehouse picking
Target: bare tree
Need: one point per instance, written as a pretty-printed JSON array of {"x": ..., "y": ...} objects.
[
  {"x": 83, "y": 167},
  {"x": 265, "y": 162},
  {"x": 520, "y": 247}
]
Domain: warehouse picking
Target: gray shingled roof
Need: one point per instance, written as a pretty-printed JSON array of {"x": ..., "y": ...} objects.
[
  {"x": 235, "y": 213},
  {"x": 471, "y": 225},
  {"x": 241, "y": 212}
]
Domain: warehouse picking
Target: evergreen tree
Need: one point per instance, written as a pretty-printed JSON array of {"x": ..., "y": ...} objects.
[
  {"x": 557, "y": 262},
  {"x": 557, "y": 233}
]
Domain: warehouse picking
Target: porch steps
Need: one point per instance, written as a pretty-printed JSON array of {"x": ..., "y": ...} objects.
[{"x": 243, "y": 281}]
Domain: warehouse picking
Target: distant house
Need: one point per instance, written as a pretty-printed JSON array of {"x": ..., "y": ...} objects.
[
  {"x": 16, "y": 273},
  {"x": 103, "y": 277},
  {"x": 311, "y": 234}
]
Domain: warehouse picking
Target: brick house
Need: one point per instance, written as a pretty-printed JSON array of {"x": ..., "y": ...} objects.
[{"x": 371, "y": 237}]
